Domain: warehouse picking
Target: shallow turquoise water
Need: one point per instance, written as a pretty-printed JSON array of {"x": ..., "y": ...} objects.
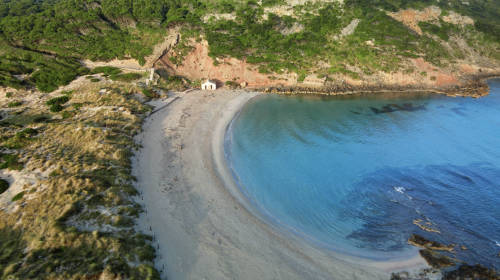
[{"x": 352, "y": 173}]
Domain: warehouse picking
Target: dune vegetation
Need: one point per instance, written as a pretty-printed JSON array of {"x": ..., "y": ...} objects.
[{"x": 77, "y": 219}]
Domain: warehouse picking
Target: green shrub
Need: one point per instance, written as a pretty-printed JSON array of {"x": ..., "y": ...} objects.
[
  {"x": 9, "y": 94},
  {"x": 10, "y": 161},
  {"x": 54, "y": 108},
  {"x": 18, "y": 196},
  {"x": 14, "y": 104},
  {"x": 146, "y": 253},
  {"x": 58, "y": 100},
  {"x": 27, "y": 132},
  {"x": 106, "y": 70},
  {"x": 4, "y": 185},
  {"x": 55, "y": 103},
  {"x": 232, "y": 84},
  {"x": 25, "y": 119},
  {"x": 54, "y": 74},
  {"x": 128, "y": 77},
  {"x": 149, "y": 93},
  {"x": 122, "y": 221}
]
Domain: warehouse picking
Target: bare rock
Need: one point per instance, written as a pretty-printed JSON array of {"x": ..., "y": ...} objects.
[
  {"x": 436, "y": 260},
  {"x": 421, "y": 242},
  {"x": 477, "y": 271}
]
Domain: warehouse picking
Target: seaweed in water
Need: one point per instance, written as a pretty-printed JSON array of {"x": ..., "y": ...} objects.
[{"x": 389, "y": 108}]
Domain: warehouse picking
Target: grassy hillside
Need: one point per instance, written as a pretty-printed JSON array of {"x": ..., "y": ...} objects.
[
  {"x": 45, "y": 39},
  {"x": 41, "y": 42},
  {"x": 68, "y": 212},
  {"x": 262, "y": 40}
]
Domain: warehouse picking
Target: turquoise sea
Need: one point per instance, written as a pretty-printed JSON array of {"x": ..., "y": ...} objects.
[{"x": 352, "y": 174}]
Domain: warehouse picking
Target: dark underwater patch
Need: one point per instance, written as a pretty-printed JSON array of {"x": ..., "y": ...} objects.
[{"x": 389, "y": 108}]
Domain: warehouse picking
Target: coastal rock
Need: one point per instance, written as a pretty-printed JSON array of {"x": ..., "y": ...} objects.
[
  {"x": 426, "y": 227},
  {"x": 421, "y": 242},
  {"x": 426, "y": 273},
  {"x": 475, "y": 87},
  {"x": 435, "y": 259},
  {"x": 477, "y": 271}
]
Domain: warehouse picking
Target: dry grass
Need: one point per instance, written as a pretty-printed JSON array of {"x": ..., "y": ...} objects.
[{"x": 76, "y": 222}]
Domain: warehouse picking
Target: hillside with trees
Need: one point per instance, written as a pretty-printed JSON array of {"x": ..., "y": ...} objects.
[{"x": 43, "y": 42}]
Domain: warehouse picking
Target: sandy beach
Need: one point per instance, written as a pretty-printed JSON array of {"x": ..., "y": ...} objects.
[{"x": 201, "y": 224}]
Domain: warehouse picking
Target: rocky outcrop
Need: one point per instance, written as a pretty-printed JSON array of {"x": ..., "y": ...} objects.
[
  {"x": 350, "y": 28},
  {"x": 198, "y": 65},
  {"x": 474, "y": 88},
  {"x": 436, "y": 260},
  {"x": 419, "y": 241},
  {"x": 411, "y": 17},
  {"x": 472, "y": 272},
  {"x": 427, "y": 226}
]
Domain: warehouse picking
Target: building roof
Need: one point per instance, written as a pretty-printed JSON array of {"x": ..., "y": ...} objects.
[{"x": 210, "y": 82}]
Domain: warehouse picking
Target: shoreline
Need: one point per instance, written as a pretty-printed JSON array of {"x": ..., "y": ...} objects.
[
  {"x": 227, "y": 175},
  {"x": 475, "y": 87},
  {"x": 203, "y": 227}
]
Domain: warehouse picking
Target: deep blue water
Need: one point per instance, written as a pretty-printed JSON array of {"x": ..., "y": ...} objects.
[{"x": 353, "y": 173}]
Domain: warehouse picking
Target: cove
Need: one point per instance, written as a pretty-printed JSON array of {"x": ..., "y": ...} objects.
[{"x": 355, "y": 174}]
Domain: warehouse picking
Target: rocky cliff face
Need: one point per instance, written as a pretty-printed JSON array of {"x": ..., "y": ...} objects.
[{"x": 198, "y": 65}]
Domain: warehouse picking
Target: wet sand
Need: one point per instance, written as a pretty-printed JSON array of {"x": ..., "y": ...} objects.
[{"x": 202, "y": 225}]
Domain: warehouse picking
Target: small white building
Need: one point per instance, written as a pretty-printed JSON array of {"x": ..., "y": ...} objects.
[{"x": 209, "y": 85}]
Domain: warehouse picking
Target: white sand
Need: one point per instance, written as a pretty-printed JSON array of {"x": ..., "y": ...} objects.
[{"x": 202, "y": 226}]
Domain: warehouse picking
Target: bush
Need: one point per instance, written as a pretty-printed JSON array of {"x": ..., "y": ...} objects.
[
  {"x": 4, "y": 185},
  {"x": 128, "y": 77},
  {"x": 122, "y": 221},
  {"x": 9, "y": 94},
  {"x": 55, "y": 103},
  {"x": 14, "y": 104},
  {"x": 67, "y": 114},
  {"x": 58, "y": 100},
  {"x": 25, "y": 119},
  {"x": 18, "y": 196},
  {"x": 49, "y": 77},
  {"x": 27, "y": 132},
  {"x": 56, "y": 108},
  {"x": 106, "y": 70},
  {"x": 149, "y": 93},
  {"x": 232, "y": 84},
  {"x": 10, "y": 161}
]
